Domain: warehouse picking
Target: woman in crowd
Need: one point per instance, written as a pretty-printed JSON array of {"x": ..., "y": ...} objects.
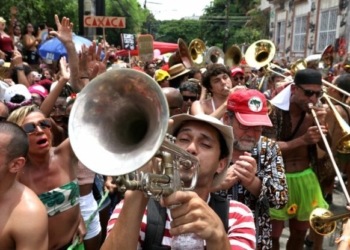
[
  {"x": 30, "y": 43},
  {"x": 50, "y": 173},
  {"x": 6, "y": 44}
]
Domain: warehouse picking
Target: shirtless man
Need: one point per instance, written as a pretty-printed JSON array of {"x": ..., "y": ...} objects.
[
  {"x": 23, "y": 219},
  {"x": 296, "y": 134},
  {"x": 50, "y": 173},
  {"x": 218, "y": 82}
]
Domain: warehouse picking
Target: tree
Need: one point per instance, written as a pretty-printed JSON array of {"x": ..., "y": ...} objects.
[
  {"x": 171, "y": 31},
  {"x": 40, "y": 11},
  {"x": 135, "y": 17}
]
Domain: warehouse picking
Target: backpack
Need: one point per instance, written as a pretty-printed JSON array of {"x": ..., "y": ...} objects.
[{"x": 156, "y": 217}]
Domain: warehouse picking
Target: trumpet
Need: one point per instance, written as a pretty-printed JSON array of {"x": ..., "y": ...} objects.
[
  {"x": 323, "y": 221},
  {"x": 119, "y": 123}
]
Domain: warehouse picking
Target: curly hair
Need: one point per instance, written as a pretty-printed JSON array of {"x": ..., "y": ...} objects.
[{"x": 213, "y": 70}]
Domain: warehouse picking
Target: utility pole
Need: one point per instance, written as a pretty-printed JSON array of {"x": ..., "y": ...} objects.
[{"x": 225, "y": 45}]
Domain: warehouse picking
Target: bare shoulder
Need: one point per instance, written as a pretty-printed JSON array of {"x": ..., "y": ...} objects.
[{"x": 29, "y": 221}]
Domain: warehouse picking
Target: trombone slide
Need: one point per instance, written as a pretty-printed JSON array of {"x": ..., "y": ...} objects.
[{"x": 329, "y": 151}]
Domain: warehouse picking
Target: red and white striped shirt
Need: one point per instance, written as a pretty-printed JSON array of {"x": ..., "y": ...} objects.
[{"x": 241, "y": 226}]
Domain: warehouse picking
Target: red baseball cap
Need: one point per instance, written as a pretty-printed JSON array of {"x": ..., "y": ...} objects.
[
  {"x": 236, "y": 70},
  {"x": 250, "y": 107}
]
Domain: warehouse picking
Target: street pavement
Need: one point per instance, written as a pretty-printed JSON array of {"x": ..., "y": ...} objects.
[{"x": 339, "y": 202}]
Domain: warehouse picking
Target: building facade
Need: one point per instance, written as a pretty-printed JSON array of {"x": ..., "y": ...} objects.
[{"x": 300, "y": 28}]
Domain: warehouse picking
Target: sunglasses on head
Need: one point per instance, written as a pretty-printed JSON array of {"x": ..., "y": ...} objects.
[
  {"x": 309, "y": 93},
  {"x": 31, "y": 127},
  {"x": 191, "y": 98},
  {"x": 238, "y": 77}
]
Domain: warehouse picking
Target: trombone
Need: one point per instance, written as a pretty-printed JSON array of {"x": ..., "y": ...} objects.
[
  {"x": 323, "y": 221},
  {"x": 261, "y": 53}
]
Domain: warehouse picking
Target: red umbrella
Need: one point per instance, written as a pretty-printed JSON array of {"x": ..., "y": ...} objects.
[{"x": 162, "y": 46}]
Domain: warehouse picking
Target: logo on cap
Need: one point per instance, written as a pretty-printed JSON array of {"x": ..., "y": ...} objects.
[{"x": 255, "y": 104}]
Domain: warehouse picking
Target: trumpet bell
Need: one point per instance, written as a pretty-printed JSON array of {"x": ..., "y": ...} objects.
[
  {"x": 215, "y": 55},
  {"x": 260, "y": 53},
  {"x": 233, "y": 56},
  {"x": 196, "y": 49},
  {"x": 118, "y": 122},
  {"x": 320, "y": 221}
]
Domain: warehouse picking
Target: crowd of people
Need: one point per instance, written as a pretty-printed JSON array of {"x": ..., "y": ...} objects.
[{"x": 262, "y": 157}]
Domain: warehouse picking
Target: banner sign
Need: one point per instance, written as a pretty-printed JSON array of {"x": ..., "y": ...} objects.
[
  {"x": 128, "y": 41},
  {"x": 104, "y": 21},
  {"x": 145, "y": 47}
]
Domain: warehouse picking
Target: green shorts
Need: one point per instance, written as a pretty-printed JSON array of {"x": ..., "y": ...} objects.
[{"x": 304, "y": 196}]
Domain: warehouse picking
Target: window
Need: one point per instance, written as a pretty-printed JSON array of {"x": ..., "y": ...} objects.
[
  {"x": 280, "y": 37},
  {"x": 327, "y": 29},
  {"x": 299, "y": 34}
]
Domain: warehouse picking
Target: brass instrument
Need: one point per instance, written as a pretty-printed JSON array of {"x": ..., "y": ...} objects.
[
  {"x": 182, "y": 55},
  {"x": 322, "y": 221},
  {"x": 321, "y": 62},
  {"x": 119, "y": 123},
  {"x": 215, "y": 55},
  {"x": 197, "y": 49},
  {"x": 259, "y": 55},
  {"x": 233, "y": 56}
]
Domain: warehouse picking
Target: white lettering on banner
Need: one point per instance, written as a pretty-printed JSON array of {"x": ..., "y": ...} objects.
[{"x": 104, "y": 21}]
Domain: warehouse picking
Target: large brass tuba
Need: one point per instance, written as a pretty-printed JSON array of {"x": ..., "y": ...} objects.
[
  {"x": 215, "y": 55},
  {"x": 119, "y": 123},
  {"x": 182, "y": 55},
  {"x": 233, "y": 56},
  {"x": 260, "y": 53},
  {"x": 196, "y": 50}
]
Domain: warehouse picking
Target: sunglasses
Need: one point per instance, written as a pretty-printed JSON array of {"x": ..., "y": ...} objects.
[
  {"x": 191, "y": 98},
  {"x": 309, "y": 93},
  {"x": 240, "y": 78},
  {"x": 31, "y": 127}
]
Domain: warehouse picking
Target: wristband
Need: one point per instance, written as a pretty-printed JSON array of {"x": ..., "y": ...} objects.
[
  {"x": 19, "y": 68},
  {"x": 345, "y": 238},
  {"x": 84, "y": 77}
]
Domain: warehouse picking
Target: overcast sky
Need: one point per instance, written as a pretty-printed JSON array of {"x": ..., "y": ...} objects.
[{"x": 175, "y": 9}]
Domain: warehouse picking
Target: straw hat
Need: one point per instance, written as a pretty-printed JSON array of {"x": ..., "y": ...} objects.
[{"x": 177, "y": 70}]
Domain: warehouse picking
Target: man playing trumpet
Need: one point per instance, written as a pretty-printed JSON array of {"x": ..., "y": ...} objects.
[{"x": 297, "y": 135}]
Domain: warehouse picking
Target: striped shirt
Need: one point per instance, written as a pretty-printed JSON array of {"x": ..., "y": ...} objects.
[{"x": 241, "y": 228}]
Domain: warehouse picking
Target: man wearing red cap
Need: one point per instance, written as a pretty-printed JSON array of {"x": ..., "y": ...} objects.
[
  {"x": 237, "y": 76},
  {"x": 256, "y": 176}
]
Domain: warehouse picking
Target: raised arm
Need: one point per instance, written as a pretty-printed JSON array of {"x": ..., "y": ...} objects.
[{"x": 65, "y": 34}]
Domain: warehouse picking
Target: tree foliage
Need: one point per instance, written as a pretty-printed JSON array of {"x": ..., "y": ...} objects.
[
  {"x": 170, "y": 31},
  {"x": 135, "y": 17},
  {"x": 40, "y": 11}
]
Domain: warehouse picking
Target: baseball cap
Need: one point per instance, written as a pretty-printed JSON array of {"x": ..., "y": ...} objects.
[
  {"x": 225, "y": 131},
  {"x": 161, "y": 75},
  {"x": 250, "y": 107},
  {"x": 236, "y": 70}
]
